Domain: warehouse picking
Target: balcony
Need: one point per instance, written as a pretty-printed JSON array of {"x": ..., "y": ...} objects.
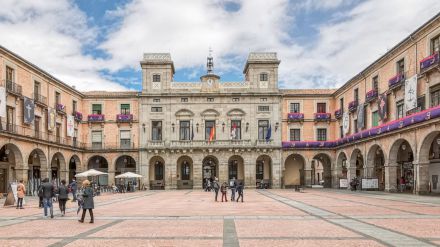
[
  {"x": 205, "y": 143},
  {"x": 371, "y": 96},
  {"x": 396, "y": 81},
  {"x": 155, "y": 144},
  {"x": 122, "y": 145},
  {"x": 14, "y": 88},
  {"x": 78, "y": 116},
  {"x": 429, "y": 63},
  {"x": 61, "y": 109},
  {"x": 295, "y": 116},
  {"x": 124, "y": 118},
  {"x": 96, "y": 118},
  {"x": 322, "y": 116},
  {"x": 40, "y": 99},
  {"x": 264, "y": 142},
  {"x": 338, "y": 114},
  {"x": 352, "y": 106}
]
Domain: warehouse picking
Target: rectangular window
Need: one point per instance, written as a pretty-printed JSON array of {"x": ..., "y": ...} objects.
[
  {"x": 321, "y": 134},
  {"x": 156, "y": 130},
  {"x": 375, "y": 119},
  {"x": 421, "y": 102},
  {"x": 156, "y": 78},
  {"x": 321, "y": 108},
  {"x": 400, "y": 66},
  {"x": 183, "y": 99},
  {"x": 57, "y": 98},
  {"x": 209, "y": 125},
  {"x": 294, "y": 107},
  {"x": 236, "y": 129},
  {"x": 355, "y": 126},
  {"x": 125, "y": 109},
  {"x": 36, "y": 88},
  {"x": 96, "y": 109},
  {"x": 10, "y": 119},
  {"x": 435, "y": 98},
  {"x": 375, "y": 83},
  {"x": 37, "y": 127},
  {"x": 235, "y": 99},
  {"x": 264, "y": 108},
  {"x": 75, "y": 137},
  {"x": 125, "y": 138},
  {"x": 295, "y": 134},
  {"x": 259, "y": 170},
  {"x": 156, "y": 100},
  {"x": 341, "y": 105},
  {"x": 58, "y": 132},
  {"x": 356, "y": 95},
  {"x": 210, "y": 99},
  {"x": 263, "y": 77},
  {"x": 400, "y": 111},
  {"x": 156, "y": 109},
  {"x": 341, "y": 132},
  {"x": 435, "y": 44},
  {"x": 9, "y": 74},
  {"x": 96, "y": 139},
  {"x": 74, "y": 105},
  {"x": 263, "y": 126},
  {"x": 184, "y": 131}
]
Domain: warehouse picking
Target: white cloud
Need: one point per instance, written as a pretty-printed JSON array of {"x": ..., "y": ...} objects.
[{"x": 51, "y": 34}]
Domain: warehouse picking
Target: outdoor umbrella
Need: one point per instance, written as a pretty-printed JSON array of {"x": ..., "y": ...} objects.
[
  {"x": 129, "y": 175},
  {"x": 90, "y": 173}
]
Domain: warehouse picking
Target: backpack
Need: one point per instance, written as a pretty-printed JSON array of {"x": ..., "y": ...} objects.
[
  {"x": 40, "y": 191},
  {"x": 216, "y": 185}
]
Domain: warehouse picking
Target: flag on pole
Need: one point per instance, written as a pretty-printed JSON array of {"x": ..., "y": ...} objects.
[
  {"x": 269, "y": 133},
  {"x": 234, "y": 131},
  {"x": 212, "y": 134},
  {"x": 192, "y": 132}
]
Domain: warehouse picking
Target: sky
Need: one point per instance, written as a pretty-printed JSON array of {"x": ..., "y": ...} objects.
[{"x": 98, "y": 44}]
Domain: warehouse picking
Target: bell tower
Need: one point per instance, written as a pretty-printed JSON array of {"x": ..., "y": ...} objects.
[{"x": 157, "y": 72}]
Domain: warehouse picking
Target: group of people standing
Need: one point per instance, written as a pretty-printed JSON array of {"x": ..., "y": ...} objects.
[{"x": 233, "y": 186}]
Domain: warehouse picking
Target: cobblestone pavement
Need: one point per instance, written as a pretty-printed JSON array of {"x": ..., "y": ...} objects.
[{"x": 266, "y": 218}]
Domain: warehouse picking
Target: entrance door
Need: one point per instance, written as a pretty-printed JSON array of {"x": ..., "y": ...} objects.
[
  {"x": 3, "y": 181},
  {"x": 209, "y": 172}
]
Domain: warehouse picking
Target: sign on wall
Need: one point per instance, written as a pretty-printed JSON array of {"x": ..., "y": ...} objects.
[
  {"x": 343, "y": 183},
  {"x": 28, "y": 110},
  {"x": 2, "y": 102},
  {"x": 382, "y": 106},
  {"x": 51, "y": 119},
  {"x": 411, "y": 93},
  {"x": 70, "y": 126},
  {"x": 346, "y": 123},
  {"x": 370, "y": 183}
]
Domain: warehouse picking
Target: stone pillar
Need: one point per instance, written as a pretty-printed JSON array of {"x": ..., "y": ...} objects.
[
  {"x": 250, "y": 173},
  {"x": 197, "y": 174},
  {"x": 111, "y": 177},
  {"x": 369, "y": 172},
  {"x": 308, "y": 177},
  {"x": 391, "y": 177},
  {"x": 276, "y": 174},
  {"x": 143, "y": 170},
  {"x": 422, "y": 178},
  {"x": 65, "y": 175},
  {"x": 351, "y": 173},
  {"x": 173, "y": 171},
  {"x": 44, "y": 173},
  {"x": 335, "y": 177},
  {"x": 223, "y": 172},
  {"x": 21, "y": 174}
]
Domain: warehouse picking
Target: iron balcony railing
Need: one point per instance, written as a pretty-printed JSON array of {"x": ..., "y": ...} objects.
[
  {"x": 40, "y": 99},
  {"x": 206, "y": 143},
  {"x": 13, "y": 88},
  {"x": 122, "y": 144}
]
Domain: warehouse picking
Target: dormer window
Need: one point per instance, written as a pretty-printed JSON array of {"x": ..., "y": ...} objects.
[
  {"x": 156, "y": 78},
  {"x": 263, "y": 77}
]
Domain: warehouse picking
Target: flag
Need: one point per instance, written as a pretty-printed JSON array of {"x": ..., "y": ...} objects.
[
  {"x": 411, "y": 93},
  {"x": 269, "y": 133},
  {"x": 2, "y": 102},
  {"x": 192, "y": 132},
  {"x": 212, "y": 134},
  {"x": 51, "y": 119},
  {"x": 382, "y": 106},
  {"x": 29, "y": 110},
  {"x": 70, "y": 125},
  {"x": 360, "y": 116},
  {"x": 234, "y": 131},
  {"x": 346, "y": 123}
]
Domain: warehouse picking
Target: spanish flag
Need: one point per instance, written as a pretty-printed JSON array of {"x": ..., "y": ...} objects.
[{"x": 212, "y": 134}]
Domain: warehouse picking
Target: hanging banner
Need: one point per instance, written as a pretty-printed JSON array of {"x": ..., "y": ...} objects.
[
  {"x": 51, "y": 119},
  {"x": 2, "y": 102},
  {"x": 346, "y": 123},
  {"x": 70, "y": 126},
  {"x": 360, "y": 116},
  {"x": 382, "y": 106},
  {"x": 28, "y": 110},
  {"x": 411, "y": 93}
]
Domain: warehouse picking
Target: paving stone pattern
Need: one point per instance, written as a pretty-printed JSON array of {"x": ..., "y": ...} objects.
[{"x": 267, "y": 218}]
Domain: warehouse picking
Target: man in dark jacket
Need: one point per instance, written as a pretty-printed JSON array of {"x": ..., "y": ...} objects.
[
  {"x": 233, "y": 186},
  {"x": 48, "y": 193},
  {"x": 74, "y": 187},
  {"x": 63, "y": 195},
  {"x": 216, "y": 187},
  {"x": 240, "y": 191}
]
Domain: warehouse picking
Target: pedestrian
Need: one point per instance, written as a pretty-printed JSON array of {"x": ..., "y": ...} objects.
[
  {"x": 240, "y": 189},
  {"x": 233, "y": 185},
  {"x": 21, "y": 191},
  {"x": 224, "y": 190},
  {"x": 40, "y": 195},
  {"x": 402, "y": 184},
  {"x": 216, "y": 187},
  {"x": 74, "y": 187},
  {"x": 63, "y": 195},
  {"x": 48, "y": 194},
  {"x": 88, "y": 203}
]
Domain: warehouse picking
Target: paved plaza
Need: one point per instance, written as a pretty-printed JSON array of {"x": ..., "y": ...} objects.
[{"x": 266, "y": 218}]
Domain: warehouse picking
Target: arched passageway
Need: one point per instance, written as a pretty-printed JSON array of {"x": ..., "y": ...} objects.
[
  {"x": 236, "y": 168},
  {"x": 376, "y": 165},
  {"x": 99, "y": 163},
  {"x": 74, "y": 165},
  {"x": 185, "y": 173},
  {"x": 429, "y": 164},
  {"x": 321, "y": 170},
  {"x": 263, "y": 172},
  {"x": 210, "y": 169},
  {"x": 401, "y": 175},
  {"x": 293, "y": 174},
  {"x": 10, "y": 159},
  {"x": 157, "y": 173}
]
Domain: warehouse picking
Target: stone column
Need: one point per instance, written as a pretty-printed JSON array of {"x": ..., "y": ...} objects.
[
  {"x": 223, "y": 172},
  {"x": 144, "y": 170},
  {"x": 21, "y": 174},
  {"x": 351, "y": 173},
  {"x": 173, "y": 171},
  {"x": 250, "y": 173},
  {"x": 391, "y": 177},
  {"x": 422, "y": 178},
  {"x": 276, "y": 183},
  {"x": 64, "y": 174},
  {"x": 197, "y": 173},
  {"x": 111, "y": 177},
  {"x": 308, "y": 177},
  {"x": 369, "y": 172},
  {"x": 335, "y": 177}
]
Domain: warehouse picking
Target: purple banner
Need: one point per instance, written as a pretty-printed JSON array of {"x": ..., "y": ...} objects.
[
  {"x": 96, "y": 118},
  {"x": 429, "y": 61},
  {"x": 295, "y": 116}
]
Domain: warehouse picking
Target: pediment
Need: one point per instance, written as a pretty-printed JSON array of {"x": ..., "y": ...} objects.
[
  {"x": 184, "y": 113},
  {"x": 210, "y": 112},
  {"x": 236, "y": 112}
]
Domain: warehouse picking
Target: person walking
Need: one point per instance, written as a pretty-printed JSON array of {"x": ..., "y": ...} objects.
[
  {"x": 224, "y": 190},
  {"x": 233, "y": 185},
  {"x": 402, "y": 184},
  {"x": 63, "y": 195},
  {"x": 74, "y": 187},
  {"x": 216, "y": 188},
  {"x": 21, "y": 191},
  {"x": 240, "y": 188},
  {"x": 88, "y": 203},
  {"x": 48, "y": 194}
]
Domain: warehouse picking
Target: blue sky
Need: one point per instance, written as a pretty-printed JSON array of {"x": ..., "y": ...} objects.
[{"x": 97, "y": 44}]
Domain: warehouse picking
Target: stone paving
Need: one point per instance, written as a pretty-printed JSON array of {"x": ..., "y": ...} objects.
[{"x": 266, "y": 218}]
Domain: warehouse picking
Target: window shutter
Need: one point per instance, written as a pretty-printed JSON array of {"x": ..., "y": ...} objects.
[
  {"x": 96, "y": 136},
  {"x": 125, "y": 134}
]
